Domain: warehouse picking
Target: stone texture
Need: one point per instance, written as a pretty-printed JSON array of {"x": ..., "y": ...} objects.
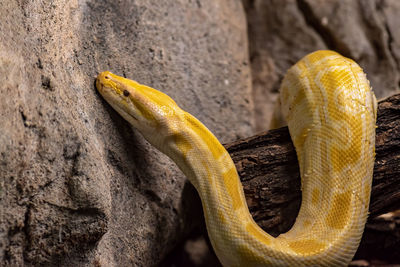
[
  {"x": 282, "y": 32},
  {"x": 78, "y": 186}
]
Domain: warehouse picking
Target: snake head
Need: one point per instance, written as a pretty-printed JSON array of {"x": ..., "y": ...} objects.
[{"x": 148, "y": 110}]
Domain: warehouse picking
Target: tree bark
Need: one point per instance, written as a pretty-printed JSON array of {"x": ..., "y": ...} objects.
[{"x": 267, "y": 165}]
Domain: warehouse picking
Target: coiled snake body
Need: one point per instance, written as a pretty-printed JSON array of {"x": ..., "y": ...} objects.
[{"x": 331, "y": 112}]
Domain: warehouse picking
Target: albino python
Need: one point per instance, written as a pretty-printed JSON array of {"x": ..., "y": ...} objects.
[{"x": 331, "y": 112}]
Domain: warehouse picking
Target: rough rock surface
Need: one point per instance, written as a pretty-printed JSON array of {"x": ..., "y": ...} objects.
[
  {"x": 282, "y": 32},
  {"x": 78, "y": 186}
]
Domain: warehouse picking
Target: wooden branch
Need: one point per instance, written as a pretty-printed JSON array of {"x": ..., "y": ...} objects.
[{"x": 267, "y": 165}]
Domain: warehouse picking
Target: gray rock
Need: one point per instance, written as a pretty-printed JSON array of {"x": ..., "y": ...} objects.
[{"x": 78, "y": 186}]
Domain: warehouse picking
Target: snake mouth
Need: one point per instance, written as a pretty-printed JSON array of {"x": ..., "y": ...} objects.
[{"x": 98, "y": 85}]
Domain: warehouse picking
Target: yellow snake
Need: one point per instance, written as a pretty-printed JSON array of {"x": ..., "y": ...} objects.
[{"x": 331, "y": 112}]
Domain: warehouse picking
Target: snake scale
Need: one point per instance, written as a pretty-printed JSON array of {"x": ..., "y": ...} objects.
[{"x": 330, "y": 110}]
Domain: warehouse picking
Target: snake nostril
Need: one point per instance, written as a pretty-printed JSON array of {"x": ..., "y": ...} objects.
[{"x": 126, "y": 93}]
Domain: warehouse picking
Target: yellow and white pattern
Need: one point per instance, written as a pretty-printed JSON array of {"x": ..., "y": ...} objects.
[{"x": 331, "y": 112}]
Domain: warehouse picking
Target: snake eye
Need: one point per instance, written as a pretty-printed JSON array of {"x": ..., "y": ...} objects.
[
  {"x": 106, "y": 77},
  {"x": 126, "y": 93}
]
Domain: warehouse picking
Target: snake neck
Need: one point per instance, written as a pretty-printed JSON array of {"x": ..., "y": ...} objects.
[
  {"x": 209, "y": 167},
  {"x": 204, "y": 161}
]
